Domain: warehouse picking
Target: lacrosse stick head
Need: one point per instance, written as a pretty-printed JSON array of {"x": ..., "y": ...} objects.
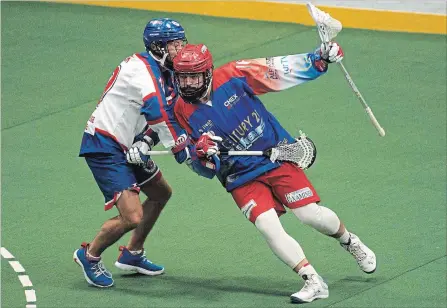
[
  {"x": 328, "y": 27},
  {"x": 302, "y": 152}
]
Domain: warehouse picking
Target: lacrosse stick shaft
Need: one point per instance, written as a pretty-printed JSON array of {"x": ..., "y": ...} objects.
[
  {"x": 242, "y": 153},
  {"x": 328, "y": 28},
  {"x": 362, "y": 100},
  {"x": 230, "y": 153},
  {"x": 158, "y": 153}
]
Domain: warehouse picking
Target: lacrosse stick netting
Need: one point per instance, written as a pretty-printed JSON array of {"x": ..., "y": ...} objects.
[{"x": 302, "y": 153}]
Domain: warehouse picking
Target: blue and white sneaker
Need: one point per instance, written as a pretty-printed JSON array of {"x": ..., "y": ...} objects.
[
  {"x": 137, "y": 263},
  {"x": 94, "y": 272}
]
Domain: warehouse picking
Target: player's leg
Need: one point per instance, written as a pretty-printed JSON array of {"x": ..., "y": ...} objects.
[
  {"x": 295, "y": 191},
  {"x": 158, "y": 192},
  {"x": 118, "y": 184},
  {"x": 326, "y": 221},
  {"x": 261, "y": 208},
  {"x": 131, "y": 214}
]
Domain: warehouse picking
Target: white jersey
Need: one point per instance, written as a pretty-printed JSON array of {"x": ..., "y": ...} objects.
[{"x": 133, "y": 98}]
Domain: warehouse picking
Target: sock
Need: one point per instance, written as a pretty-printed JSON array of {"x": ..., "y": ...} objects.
[
  {"x": 306, "y": 271},
  {"x": 91, "y": 257},
  {"x": 136, "y": 252},
  {"x": 345, "y": 238}
]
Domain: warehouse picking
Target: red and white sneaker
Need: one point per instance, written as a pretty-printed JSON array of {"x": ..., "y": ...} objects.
[{"x": 314, "y": 288}]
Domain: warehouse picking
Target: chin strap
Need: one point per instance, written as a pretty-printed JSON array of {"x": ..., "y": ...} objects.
[
  {"x": 162, "y": 60},
  {"x": 208, "y": 90}
]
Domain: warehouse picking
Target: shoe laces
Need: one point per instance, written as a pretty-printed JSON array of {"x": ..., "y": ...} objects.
[
  {"x": 357, "y": 252},
  {"x": 143, "y": 257},
  {"x": 310, "y": 283},
  {"x": 99, "y": 270}
]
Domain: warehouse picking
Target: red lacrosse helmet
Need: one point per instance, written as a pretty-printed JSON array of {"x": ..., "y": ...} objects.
[{"x": 193, "y": 72}]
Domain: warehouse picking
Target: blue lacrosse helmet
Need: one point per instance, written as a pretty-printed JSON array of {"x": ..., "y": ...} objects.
[{"x": 158, "y": 33}]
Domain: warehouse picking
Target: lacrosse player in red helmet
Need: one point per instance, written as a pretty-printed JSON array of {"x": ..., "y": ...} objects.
[{"x": 221, "y": 112}]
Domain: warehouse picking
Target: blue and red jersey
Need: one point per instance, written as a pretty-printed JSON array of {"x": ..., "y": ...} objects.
[{"x": 236, "y": 114}]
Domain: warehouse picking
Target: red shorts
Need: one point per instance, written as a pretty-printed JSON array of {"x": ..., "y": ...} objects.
[{"x": 284, "y": 186}]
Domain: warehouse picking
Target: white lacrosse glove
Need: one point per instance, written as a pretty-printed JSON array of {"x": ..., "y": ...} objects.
[
  {"x": 331, "y": 52},
  {"x": 138, "y": 152},
  {"x": 207, "y": 145}
]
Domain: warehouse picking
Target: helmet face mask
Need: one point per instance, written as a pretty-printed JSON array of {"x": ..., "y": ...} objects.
[
  {"x": 163, "y": 39},
  {"x": 194, "y": 86},
  {"x": 166, "y": 52},
  {"x": 193, "y": 73}
]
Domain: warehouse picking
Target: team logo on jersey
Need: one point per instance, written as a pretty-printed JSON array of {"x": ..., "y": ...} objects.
[
  {"x": 231, "y": 101},
  {"x": 299, "y": 194}
]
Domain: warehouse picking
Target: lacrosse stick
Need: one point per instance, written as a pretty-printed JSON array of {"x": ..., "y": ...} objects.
[
  {"x": 328, "y": 28},
  {"x": 302, "y": 153}
]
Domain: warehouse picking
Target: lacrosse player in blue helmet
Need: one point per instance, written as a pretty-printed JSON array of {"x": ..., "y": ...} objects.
[{"x": 132, "y": 109}]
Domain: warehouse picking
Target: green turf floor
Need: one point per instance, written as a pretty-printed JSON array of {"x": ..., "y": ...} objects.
[{"x": 55, "y": 61}]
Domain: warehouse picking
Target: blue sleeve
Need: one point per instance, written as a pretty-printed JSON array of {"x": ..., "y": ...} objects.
[
  {"x": 152, "y": 108},
  {"x": 161, "y": 119}
]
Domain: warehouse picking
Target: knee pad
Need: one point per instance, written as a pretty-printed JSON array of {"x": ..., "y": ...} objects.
[{"x": 319, "y": 217}]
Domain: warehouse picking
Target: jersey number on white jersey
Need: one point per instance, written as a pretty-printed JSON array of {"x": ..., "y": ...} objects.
[{"x": 111, "y": 82}]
